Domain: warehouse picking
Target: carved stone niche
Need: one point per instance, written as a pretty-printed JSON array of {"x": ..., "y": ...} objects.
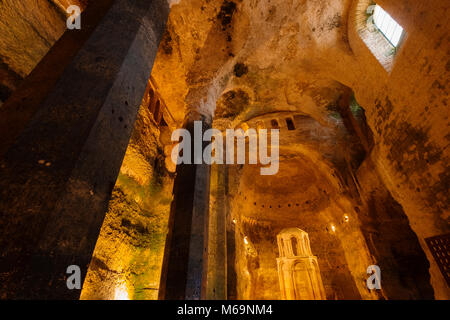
[{"x": 298, "y": 269}]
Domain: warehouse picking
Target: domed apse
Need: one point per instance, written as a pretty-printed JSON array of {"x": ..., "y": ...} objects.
[
  {"x": 304, "y": 195},
  {"x": 300, "y": 196}
]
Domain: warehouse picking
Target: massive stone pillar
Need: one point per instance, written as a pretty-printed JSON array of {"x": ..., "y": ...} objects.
[
  {"x": 298, "y": 269},
  {"x": 26, "y": 100},
  {"x": 217, "y": 244},
  {"x": 56, "y": 175},
  {"x": 184, "y": 270}
]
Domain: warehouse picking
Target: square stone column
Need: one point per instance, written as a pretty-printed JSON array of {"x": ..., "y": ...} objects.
[
  {"x": 184, "y": 271},
  {"x": 217, "y": 244},
  {"x": 58, "y": 171}
]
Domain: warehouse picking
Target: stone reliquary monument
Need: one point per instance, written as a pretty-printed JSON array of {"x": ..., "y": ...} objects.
[{"x": 298, "y": 269}]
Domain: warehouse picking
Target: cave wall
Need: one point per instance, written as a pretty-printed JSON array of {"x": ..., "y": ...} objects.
[
  {"x": 28, "y": 29},
  {"x": 407, "y": 110},
  {"x": 127, "y": 260},
  {"x": 340, "y": 201},
  {"x": 393, "y": 244},
  {"x": 294, "y": 65},
  {"x": 305, "y": 194}
]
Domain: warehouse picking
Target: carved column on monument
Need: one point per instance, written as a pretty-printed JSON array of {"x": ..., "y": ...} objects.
[{"x": 298, "y": 269}]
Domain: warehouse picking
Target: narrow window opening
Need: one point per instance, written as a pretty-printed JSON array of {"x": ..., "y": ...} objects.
[
  {"x": 275, "y": 124},
  {"x": 294, "y": 245},
  {"x": 290, "y": 124},
  {"x": 390, "y": 29}
]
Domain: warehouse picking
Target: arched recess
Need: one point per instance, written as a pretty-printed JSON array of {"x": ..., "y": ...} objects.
[
  {"x": 301, "y": 195},
  {"x": 314, "y": 191},
  {"x": 365, "y": 38}
]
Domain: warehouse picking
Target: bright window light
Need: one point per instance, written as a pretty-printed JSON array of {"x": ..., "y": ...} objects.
[{"x": 388, "y": 26}]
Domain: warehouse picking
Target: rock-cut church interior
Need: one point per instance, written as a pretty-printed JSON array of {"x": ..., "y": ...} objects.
[{"x": 358, "y": 91}]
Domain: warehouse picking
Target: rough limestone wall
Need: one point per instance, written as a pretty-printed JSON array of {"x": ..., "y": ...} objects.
[
  {"x": 295, "y": 50},
  {"x": 370, "y": 226},
  {"x": 64, "y": 4},
  {"x": 302, "y": 199},
  {"x": 393, "y": 245},
  {"x": 128, "y": 256},
  {"x": 343, "y": 255},
  {"x": 408, "y": 112},
  {"x": 28, "y": 29}
]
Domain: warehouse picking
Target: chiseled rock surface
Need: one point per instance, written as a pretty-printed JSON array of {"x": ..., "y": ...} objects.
[
  {"x": 255, "y": 57},
  {"x": 128, "y": 255},
  {"x": 299, "y": 56},
  {"x": 28, "y": 30}
]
